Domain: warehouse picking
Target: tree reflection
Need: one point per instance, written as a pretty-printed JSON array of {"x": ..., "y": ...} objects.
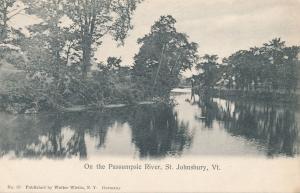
[
  {"x": 274, "y": 127},
  {"x": 157, "y": 132},
  {"x": 66, "y": 135},
  {"x": 52, "y": 141},
  {"x": 209, "y": 111},
  {"x": 54, "y": 136}
]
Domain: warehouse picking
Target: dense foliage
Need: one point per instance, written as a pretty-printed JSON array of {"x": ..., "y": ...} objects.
[
  {"x": 59, "y": 52},
  {"x": 163, "y": 55},
  {"x": 272, "y": 68}
]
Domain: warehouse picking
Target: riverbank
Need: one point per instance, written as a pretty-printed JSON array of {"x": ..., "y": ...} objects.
[
  {"x": 257, "y": 95},
  {"x": 17, "y": 109},
  {"x": 81, "y": 108},
  {"x": 29, "y": 108}
]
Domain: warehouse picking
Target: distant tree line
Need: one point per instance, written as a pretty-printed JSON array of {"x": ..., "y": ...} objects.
[{"x": 272, "y": 68}]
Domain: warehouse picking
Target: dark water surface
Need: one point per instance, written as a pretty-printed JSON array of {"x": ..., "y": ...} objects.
[{"x": 213, "y": 127}]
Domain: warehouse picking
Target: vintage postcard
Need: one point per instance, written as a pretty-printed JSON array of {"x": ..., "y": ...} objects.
[{"x": 140, "y": 96}]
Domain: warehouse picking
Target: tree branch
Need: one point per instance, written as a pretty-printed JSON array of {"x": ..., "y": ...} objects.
[{"x": 18, "y": 12}]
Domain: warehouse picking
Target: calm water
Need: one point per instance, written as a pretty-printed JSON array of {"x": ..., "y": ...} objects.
[{"x": 191, "y": 128}]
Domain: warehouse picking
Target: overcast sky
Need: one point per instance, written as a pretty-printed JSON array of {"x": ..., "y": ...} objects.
[{"x": 218, "y": 26}]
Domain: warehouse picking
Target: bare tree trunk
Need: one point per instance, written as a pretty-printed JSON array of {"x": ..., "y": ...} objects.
[
  {"x": 159, "y": 65},
  {"x": 87, "y": 37},
  {"x": 86, "y": 58}
]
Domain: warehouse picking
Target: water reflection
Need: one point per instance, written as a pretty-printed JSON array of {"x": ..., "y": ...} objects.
[
  {"x": 274, "y": 127},
  {"x": 156, "y": 132},
  {"x": 201, "y": 127}
]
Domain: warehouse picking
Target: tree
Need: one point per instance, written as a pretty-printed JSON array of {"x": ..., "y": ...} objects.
[
  {"x": 48, "y": 50},
  {"x": 290, "y": 69},
  {"x": 93, "y": 19},
  {"x": 244, "y": 69},
  {"x": 5, "y": 5},
  {"x": 272, "y": 67},
  {"x": 61, "y": 46},
  {"x": 227, "y": 74},
  {"x": 274, "y": 52},
  {"x": 163, "y": 55},
  {"x": 8, "y": 10},
  {"x": 278, "y": 65},
  {"x": 9, "y": 37},
  {"x": 209, "y": 74}
]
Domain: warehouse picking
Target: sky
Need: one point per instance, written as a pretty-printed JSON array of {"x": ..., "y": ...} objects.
[{"x": 219, "y": 26}]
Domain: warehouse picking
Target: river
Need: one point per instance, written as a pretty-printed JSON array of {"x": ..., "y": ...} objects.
[{"x": 215, "y": 127}]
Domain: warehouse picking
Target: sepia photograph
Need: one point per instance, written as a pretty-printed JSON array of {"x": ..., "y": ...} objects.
[{"x": 138, "y": 95}]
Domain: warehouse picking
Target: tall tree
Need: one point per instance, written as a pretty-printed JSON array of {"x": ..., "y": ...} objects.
[
  {"x": 163, "y": 55},
  {"x": 208, "y": 76},
  {"x": 66, "y": 36},
  {"x": 47, "y": 48},
  {"x": 5, "y": 5},
  {"x": 8, "y": 10},
  {"x": 274, "y": 52},
  {"x": 93, "y": 19}
]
